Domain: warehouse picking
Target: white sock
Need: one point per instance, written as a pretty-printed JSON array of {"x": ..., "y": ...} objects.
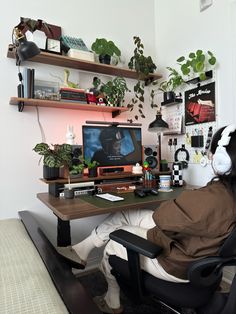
[
  {"x": 84, "y": 247},
  {"x": 112, "y": 296}
]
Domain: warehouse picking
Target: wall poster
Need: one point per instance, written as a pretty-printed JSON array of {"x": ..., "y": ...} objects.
[{"x": 200, "y": 104}]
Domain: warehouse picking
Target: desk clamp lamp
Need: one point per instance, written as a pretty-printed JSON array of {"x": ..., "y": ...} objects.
[{"x": 24, "y": 51}]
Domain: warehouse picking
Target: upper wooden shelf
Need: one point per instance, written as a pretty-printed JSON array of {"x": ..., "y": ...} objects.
[{"x": 64, "y": 61}]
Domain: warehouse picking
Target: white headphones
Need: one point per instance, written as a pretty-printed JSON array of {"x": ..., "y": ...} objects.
[{"x": 221, "y": 162}]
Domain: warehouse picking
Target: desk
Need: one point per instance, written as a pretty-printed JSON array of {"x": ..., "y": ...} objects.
[{"x": 86, "y": 206}]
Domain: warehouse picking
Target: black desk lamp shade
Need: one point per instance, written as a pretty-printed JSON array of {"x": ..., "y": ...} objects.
[
  {"x": 158, "y": 126},
  {"x": 26, "y": 49}
]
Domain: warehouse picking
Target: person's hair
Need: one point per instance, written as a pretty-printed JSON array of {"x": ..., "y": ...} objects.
[{"x": 228, "y": 179}]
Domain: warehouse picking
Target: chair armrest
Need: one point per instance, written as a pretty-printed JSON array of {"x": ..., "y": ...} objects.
[{"x": 135, "y": 243}]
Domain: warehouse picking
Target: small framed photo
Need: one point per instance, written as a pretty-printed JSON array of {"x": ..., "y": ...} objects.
[
  {"x": 53, "y": 45},
  {"x": 46, "y": 90},
  {"x": 204, "y": 4}
]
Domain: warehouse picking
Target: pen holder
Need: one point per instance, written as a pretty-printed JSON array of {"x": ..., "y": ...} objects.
[{"x": 165, "y": 182}]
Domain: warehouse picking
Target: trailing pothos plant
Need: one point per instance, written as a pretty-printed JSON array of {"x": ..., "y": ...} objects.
[{"x": 143, "y": 66}]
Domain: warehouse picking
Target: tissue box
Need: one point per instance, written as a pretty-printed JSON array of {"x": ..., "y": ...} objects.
[{"x": 81, "y": 54}]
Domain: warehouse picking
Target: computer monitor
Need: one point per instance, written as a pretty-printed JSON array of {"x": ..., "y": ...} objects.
[{"x": 112, "y": 145}]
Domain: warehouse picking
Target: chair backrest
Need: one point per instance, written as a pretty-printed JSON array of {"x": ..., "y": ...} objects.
[
  {"x": 207, "y": 272},
  {"x": 229, "y": 246}
]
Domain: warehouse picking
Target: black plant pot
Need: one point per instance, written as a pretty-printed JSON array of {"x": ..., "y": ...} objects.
[
  {"x": 169, "y": 96},
  {"x": 50, "y": 173},
  {"x": 92, "y": 172},
  {"x": 105, "y": 59}
]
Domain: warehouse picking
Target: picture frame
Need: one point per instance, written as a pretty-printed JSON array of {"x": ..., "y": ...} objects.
[
  {"x": 205, "y": 4},
  {"x": 46, "y": 90},
  {"x": 200, "y": 104}
]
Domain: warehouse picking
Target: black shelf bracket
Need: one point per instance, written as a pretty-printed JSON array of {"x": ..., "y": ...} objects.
[{"x": 116, "y": 113}]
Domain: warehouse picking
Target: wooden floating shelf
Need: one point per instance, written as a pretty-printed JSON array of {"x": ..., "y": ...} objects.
[
  {"x": 64, "y": 61},
  {"x": 66, "y": 105}
]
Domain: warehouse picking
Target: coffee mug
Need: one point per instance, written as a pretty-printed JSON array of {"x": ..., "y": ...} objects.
[{"x": 165, "y": 181}]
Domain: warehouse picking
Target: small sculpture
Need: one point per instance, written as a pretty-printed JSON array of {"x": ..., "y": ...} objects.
[
  {"x": 68, "y": 83},
  {"x": 70, "y": 135}
]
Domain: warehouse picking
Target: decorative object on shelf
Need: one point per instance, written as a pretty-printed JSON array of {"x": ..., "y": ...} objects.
[
  {"x": 76, "y": 48},
  {"x": 69, "y": 192},
  {"x": 68, "y": 83},
  {"x": 39, "y": 32},
  {"x": 46, "y": 90},
  {"x": 158, "y": 126},
  {"x": 114, "y": 90},
  {"x": 70, "y": 135},
  {"x": 56, "y": 157},
  {"x": 197, "y": 63},
  {"x": 105, "y": 50},
  {"x": 143, "y": 66},
  {"x": 92, "y": 167},
  {"x": 177, "y": 174}
]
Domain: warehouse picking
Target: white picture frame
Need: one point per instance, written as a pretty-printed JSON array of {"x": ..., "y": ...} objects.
[{"x": 205, "y": 4}]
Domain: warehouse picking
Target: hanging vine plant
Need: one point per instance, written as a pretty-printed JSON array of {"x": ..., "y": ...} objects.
[{"x": 143, "y": 66}]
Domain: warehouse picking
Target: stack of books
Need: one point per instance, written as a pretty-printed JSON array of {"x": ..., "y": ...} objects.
[
  {"x": 73, "y": 94},
  {"x": 28, "y": 83}
]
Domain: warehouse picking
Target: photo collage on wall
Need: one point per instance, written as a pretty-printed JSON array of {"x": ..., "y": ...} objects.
[{"x": 200, "y": 104}]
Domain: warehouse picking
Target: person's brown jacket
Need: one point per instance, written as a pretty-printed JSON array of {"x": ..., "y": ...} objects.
[{"x": 192, "y": 226}]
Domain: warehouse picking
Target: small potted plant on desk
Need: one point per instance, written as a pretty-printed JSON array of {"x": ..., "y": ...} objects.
[
  {"x": 92, "y": 167},
  {"x": 54, "y": 158},
  {"x": 105, "y": 50}
]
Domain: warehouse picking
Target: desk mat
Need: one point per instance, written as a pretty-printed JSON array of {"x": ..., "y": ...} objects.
[{"x": 130, "y": 198}]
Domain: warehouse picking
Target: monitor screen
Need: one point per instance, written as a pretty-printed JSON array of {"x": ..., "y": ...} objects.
[{"x": 112, "y": 145}]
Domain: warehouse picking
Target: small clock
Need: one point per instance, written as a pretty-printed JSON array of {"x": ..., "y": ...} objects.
[{"x": 54, "y": 45}]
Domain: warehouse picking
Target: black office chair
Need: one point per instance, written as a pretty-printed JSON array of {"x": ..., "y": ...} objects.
[{"x": 201, "y": 294}]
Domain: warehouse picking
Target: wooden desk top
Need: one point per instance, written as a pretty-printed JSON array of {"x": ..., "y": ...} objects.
[{"x": 86, "y": 206}]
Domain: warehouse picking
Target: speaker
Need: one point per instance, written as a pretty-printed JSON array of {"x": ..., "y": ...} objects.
[
  {"x": 221, "y": 161},
  {"x": 150, "y": 154}
]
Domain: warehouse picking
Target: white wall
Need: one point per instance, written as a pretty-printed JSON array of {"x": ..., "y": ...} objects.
[
  {"x": 182, "y": 28},
  {"x": 115, "y": 20}
]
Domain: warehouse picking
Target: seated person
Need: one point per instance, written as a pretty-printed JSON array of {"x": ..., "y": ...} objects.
[
  {"x": 110, "y": 153},
  {"x": 192, "y": 226}
]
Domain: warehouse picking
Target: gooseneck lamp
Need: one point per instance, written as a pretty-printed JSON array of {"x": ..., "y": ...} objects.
[{"x": 158, "y": 126}]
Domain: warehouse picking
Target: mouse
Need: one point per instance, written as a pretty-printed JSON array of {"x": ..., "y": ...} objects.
[{"x": 139, "y": 193}]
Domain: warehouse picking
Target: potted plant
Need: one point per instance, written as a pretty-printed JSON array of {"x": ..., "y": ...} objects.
[
  {"x": 143, "y": 66},
  {"x": 76, "y": 171},
  {"x": 169, "y": 87},
  {"x": 197, "y": 63},
  {"x": 105, "y": 50},
  {"x": 114, "y": 90},
  {"x": 92, "y": 167},
  {"x": 54, "y": 157},
  {"x": 164, "y": 165}
]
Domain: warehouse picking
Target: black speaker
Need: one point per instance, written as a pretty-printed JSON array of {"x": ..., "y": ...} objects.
[{"x": 150, "y": 154}]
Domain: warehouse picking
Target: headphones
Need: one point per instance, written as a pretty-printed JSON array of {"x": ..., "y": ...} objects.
[{"x": 221, "y": 162}]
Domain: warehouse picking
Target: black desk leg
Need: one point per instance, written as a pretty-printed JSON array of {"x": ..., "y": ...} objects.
[{"x": 63, "y": 232}]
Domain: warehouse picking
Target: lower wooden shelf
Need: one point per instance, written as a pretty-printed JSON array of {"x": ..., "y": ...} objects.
[{"x": 66, "y": 105}]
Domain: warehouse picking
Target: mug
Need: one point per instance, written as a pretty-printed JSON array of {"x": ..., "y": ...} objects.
[{"x": 165, "y": 182}]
